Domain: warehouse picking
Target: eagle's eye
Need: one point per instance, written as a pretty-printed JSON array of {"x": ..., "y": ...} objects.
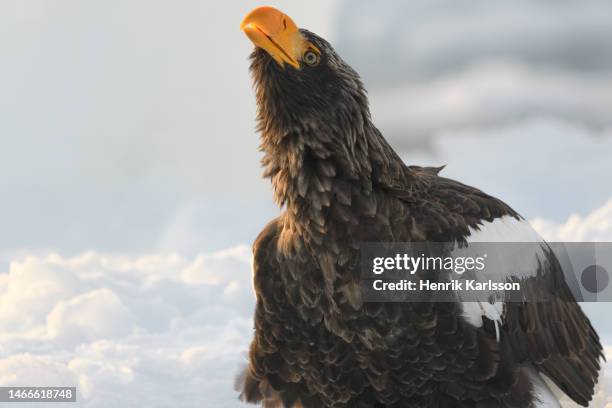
[{"x": 311, "y": 58}]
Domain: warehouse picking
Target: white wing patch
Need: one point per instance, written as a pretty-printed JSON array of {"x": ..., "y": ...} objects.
[
  {"x": 473, "y": 313},
  {"x": 544, "y": 396},
  {"x": 504, "y": 229}
]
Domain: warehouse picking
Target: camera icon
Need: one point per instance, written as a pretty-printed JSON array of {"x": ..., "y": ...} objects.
[
  {"x": 595, "y": 278},
  {"x": 585, "y": 266}
]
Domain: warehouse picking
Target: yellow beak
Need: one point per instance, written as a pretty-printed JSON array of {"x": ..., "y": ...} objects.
[{"x": 276, "y": 33}]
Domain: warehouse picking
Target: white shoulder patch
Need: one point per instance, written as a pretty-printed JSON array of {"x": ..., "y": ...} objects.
[
  {"x": 504, "y": 229},
  {"x": 509, "y": 229}
]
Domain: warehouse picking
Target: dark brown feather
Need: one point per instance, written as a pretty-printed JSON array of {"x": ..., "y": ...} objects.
[{"x": 316, "y": 343}]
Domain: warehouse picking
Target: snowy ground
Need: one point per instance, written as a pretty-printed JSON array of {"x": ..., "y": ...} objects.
[
  {"x": 156, "y": 330},
  {"x": 129, "y": 331}
]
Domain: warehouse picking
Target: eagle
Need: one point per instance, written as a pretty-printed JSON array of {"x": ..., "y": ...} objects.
[{"x": 317, "y": 342}]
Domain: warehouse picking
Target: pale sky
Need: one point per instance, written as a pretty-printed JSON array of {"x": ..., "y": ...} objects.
[
  {"x": 129, "y": 125},
  {"x": 115, "y": 115}
]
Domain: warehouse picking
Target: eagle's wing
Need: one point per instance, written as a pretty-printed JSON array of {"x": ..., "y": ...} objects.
[
  {"x": 252, "y": 382},
  {"x": 554, "y": 335},
  {"x": 270, "y": 378}
]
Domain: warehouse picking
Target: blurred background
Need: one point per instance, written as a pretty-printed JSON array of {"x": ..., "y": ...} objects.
[{"x": 130, "y": 178}]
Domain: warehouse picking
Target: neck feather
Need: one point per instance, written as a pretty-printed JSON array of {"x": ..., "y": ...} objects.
[{"x": 321, "y": 169}]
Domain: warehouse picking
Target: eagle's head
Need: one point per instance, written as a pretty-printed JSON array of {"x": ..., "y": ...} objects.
[
  {"x": 313, "y": 116},
  {"x": 300, "y": 80}
]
